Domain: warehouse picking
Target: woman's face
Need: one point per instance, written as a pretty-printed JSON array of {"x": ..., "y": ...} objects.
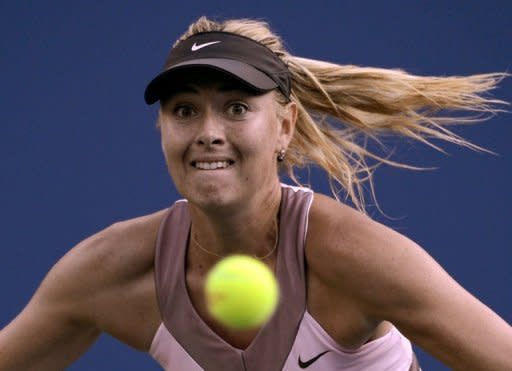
[{"x": 220, "y": 141}]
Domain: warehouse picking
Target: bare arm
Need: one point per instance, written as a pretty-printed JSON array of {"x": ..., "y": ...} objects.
[
  {"x": 53, "y": 330},
  {"x": 391, "y": 278},
  {"x": 42, "y": 339},
  {"x": 103, "y": 284}
]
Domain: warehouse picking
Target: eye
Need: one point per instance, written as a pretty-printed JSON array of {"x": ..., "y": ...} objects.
[
  {"x": 237, "y": 109},
  {"x": 184, "y": 111}
]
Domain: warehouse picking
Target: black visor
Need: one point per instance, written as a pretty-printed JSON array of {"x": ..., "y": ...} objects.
[{"x": 240, "y": 57}]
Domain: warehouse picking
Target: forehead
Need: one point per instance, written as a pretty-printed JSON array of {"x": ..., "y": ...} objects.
[{"x": 191, "y": 80}]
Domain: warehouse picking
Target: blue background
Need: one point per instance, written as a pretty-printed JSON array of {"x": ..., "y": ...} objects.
[{"x": 78, "y": 147}]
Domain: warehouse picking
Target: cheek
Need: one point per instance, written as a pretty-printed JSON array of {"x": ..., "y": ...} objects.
[
  {"x": 266, "y": 137},
  {"x": 259, "y": 141},
  {"x": 165, "y": 144},
  {"x": 172, "y": 150}
]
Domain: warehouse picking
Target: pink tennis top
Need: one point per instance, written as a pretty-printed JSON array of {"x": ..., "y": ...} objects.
[{"x": 291, "y": 340}]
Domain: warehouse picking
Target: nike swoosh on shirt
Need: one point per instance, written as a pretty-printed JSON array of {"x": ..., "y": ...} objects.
[
  {"x": 311, "y": 361},
  {"x": 200, "y": 46}
]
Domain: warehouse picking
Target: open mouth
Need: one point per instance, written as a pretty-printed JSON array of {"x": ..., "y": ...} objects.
[{"x": 212, "y": 165}]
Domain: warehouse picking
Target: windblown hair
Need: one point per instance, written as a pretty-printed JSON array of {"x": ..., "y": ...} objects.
[{"x": 340, "y": 107}]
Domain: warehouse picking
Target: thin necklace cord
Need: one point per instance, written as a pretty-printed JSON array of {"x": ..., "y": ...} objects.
[{"x": 276, "y": 240}]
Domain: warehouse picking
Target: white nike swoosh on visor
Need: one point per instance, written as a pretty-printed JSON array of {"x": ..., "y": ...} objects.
[{"x": 200, "y": 46}]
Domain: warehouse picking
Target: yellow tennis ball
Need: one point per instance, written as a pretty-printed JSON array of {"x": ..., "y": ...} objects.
[{"x": 241, "y": 292}]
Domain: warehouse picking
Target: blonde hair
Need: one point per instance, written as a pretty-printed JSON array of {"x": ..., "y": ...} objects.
[{"x": 340, "y": 107}]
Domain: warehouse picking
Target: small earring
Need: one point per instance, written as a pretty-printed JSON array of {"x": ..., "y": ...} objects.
[{"x": 281, "y": 154}]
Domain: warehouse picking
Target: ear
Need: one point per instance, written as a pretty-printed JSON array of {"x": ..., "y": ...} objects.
[{"x": 287, "y": 120}]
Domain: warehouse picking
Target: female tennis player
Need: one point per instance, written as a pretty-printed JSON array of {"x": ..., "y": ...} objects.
[{"x": 236, "y": 109}]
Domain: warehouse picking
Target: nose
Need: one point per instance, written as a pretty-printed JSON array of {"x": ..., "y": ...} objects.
[{"x": 211, "y": 131}]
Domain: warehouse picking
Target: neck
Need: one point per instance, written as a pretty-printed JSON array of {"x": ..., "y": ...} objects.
[{"x": 249, "y": 229}]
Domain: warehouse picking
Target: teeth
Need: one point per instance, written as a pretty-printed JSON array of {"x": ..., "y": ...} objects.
[{"x": 212, "y": 165}]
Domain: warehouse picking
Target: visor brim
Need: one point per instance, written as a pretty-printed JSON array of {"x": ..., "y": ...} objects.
[{"x": 245, "y": 73}]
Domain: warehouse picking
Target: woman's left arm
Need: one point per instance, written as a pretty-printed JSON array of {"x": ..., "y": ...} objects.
[{"x": 392, "y": 278}]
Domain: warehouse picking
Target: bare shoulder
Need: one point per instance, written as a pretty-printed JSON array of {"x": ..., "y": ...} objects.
[
  {"x": 338, "y": 229},
  {"x": 355, "y": 254},
  {"x": 107, "y": 281},
  {"x": 358, "y": 267},
  {"x": 120, "y": 250}
]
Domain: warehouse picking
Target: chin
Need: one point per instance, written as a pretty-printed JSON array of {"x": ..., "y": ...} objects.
[{"x": 211, "y": 196}]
